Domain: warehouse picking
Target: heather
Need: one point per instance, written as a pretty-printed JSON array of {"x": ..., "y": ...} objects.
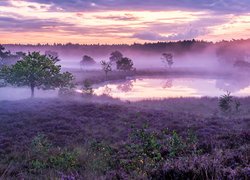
[{"x": 185, "y": 138}]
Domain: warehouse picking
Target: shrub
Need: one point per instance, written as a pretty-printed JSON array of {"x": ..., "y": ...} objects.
[
  {"x": 225, "y": 102},
  {"x": 124, "y": 64},
  {"x": 44, "y": 156},
  {"x": 40, "y": 144},
  {"x": 63, "y": 160},
  {"x": 176, "y": 145},
  {"x": 87, "y": 87},
  {"x": 97, "y": 157}
]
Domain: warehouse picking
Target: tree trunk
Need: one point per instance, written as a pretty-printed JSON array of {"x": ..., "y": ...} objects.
[{"x": 32, "y": 87}]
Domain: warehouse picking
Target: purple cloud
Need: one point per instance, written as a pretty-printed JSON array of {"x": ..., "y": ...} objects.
[
  {"x": 11, "y": 24},
  {"x": 125, "y": 17},
  {"x": 219, "y": 6},
  {"x": 153, "y": 36}
]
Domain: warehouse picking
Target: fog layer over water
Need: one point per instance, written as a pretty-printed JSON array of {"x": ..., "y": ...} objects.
[
  {"x": 14, "y": 93},
  {"x": 141, "y": 88},
  {"x": 225, "y": 58},
  {"x": 158, "y": 88}
]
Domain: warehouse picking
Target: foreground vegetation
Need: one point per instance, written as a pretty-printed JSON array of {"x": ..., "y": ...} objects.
[
  {"x": 88, "y": 137},
  {"x": 69, "y": 139}
]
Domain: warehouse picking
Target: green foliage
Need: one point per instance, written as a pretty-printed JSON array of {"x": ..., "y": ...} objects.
[
  {"x": 124, "y": 64},
  {"x": 40, "y": 144},
  {"x": 36, "y": 70},
  {"x": 43, "y": 156},
  {"x": 225, "y": 102},
  {"x": 87, "y": 87},
  {"x": 148, "y": 142},
  {"x": 140, "y": 156},
  {"x": 97, "y": 157},
  {"x": 63, "y": 160},
  {"x": 147, "y": 151},
  {"x": 37, "y": 165},
  {"x": 143, "y": 153},
  {"x": 176, "y": 145},
  {"x": 191, "y": 137}
]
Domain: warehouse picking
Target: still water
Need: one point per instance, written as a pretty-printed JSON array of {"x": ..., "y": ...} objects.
[
  {"x": 149, "y": 88},
  {"x": 158, "y": 88}
]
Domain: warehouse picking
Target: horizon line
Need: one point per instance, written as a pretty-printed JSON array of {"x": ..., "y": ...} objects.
[{"x": 135, "y": 43}]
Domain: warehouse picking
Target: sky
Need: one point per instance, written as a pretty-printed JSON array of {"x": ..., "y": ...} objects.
[{"x": 122, "y": 21}]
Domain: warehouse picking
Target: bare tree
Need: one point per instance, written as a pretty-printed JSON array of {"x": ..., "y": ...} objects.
[
  {"x": 167, "y": 59},
  {"x": 106, "y": 67}
]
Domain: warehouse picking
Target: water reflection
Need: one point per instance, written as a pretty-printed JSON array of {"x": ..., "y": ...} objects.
[
  {"x": 126, "y": 86},
  {"x": 157, "y": 88},
  {"x": 107, "y": 91},
  {"x": 168, "y": 84},
  {"x": 233, "y": 85}
]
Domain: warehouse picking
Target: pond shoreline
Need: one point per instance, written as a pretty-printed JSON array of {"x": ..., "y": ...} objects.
[
  {"x": 179, "y": 83},
  {"x": 98, "y": 76}
]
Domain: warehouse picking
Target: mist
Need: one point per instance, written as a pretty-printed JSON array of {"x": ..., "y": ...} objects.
[{"x": 221, "y": 62}]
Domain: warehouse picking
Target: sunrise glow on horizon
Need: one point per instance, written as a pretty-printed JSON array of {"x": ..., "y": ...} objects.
[{"x": 121, "y": 22}]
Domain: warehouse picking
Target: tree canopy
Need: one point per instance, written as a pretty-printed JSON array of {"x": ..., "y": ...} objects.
[
  {"x": 115, "y": 56},
  {"x": 87, "y": 61},
  {"x": 37, "y": 71},
  {"x": 124, "y": 64}
]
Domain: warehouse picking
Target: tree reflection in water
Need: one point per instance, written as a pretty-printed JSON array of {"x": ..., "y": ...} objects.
[
  {"x": 107, "y": 91},
  {"x": 233, "y": 84},
  {"x": 127, "y": 86},
  {"x": 168, "y": 84}
]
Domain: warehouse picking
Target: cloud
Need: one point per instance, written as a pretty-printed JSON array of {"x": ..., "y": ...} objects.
[
  {"x": 219, "y": 6},
  {"x": 190, "y": 34},
  {"x": 14, "y": 24},
  {"x": 125, "y": 17},
  {"x": 11, "y": 24},
  {"x": 153, "y": 36},
  {"x": 5, "y": 3}
]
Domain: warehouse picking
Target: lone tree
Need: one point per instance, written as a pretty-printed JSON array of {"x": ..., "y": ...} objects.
[
  {"x": 87, "y": 61},
  {"x": 167, "y": 58},
  {"x": 106, "y": 67},
  {"x": 115, "y": 56},
  {"x": 124, "y": 64},
  {"x": 37, "y": 71}
]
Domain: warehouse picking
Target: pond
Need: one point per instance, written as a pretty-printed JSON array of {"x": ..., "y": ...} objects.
[
  {"x": 142, "y": 88},
  {"x": 159, "y": 88}
]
